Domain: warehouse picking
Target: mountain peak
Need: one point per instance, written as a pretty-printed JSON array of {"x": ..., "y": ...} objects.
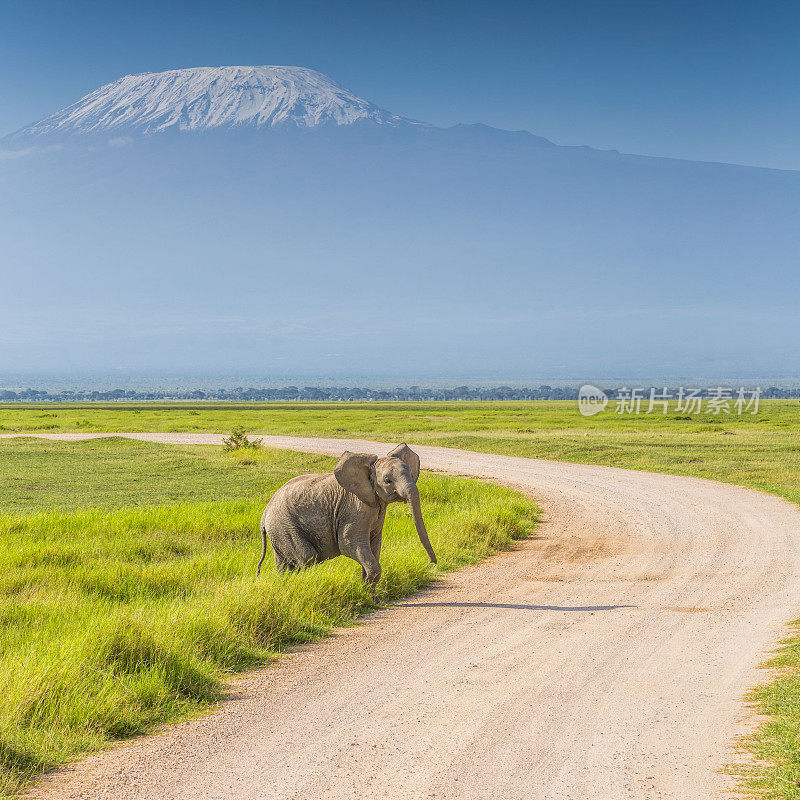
[{"x": 206, "y": 98}]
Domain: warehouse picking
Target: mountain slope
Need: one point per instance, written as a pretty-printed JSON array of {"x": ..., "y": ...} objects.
[
  {"x": 239, "y": 232},
  {"x": 207, "y": 98}
]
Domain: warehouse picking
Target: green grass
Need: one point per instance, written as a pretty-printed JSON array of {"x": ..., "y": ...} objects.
[
  {"x": 762, "y": 452},
  {"x": 36, "y": 474},
  {"x": 775, "y": 771},
  {"x": 127, "y": 587}
]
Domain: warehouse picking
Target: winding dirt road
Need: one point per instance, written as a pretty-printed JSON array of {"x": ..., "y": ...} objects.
[{"x": 605, "y": 659}]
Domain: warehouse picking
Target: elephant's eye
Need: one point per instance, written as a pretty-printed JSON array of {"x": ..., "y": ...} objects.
[{"x": 387, "y": 480}]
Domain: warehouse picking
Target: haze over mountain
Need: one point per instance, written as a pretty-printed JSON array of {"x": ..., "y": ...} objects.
[{"x": 266, "y": 219}]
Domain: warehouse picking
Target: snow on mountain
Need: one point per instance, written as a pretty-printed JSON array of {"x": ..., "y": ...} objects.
[{"x": 206, "y": 98}]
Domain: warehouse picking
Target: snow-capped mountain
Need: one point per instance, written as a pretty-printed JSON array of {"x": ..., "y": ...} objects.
[
  {"x": 207, "y": 98},
  {"x": 287, "y": 220}
]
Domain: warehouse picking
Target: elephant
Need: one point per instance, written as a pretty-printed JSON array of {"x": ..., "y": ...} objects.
[{"x": 312, "y": 518}]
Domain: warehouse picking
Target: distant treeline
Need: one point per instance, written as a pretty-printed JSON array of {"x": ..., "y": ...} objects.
[{"x": 336, "y": 394}]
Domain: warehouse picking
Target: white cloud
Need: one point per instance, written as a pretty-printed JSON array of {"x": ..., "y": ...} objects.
[{"x": 26, "y": 151}]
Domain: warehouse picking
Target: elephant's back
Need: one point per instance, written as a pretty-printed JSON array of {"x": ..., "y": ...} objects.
[
  {"x": 301, "y": 485},
  {"x": 302, "y": 498}
]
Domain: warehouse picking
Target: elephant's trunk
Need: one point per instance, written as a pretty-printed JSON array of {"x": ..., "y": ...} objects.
[{"x": 411, "y": 496}]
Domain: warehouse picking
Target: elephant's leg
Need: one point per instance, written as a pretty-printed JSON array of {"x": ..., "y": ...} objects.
[
  {"x": 356, "y": 544},
  {"x": 281, "y": 564},
  {"x": 289, "y": 564},
  {"x": 375, "y": 543},
  {"x": 304, "y": 554},
  {"x": 370, "y": 571},
  {"x": 370, "y": 566},
  {"x": 375, "y": 549},
  {"x": 293, "y": 551}
]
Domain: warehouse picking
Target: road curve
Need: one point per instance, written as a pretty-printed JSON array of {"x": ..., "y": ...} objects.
[{"x": 605, "y": 659}]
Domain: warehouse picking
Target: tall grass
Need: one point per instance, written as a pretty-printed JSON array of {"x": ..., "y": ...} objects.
[{"x": 115, "y": 620}]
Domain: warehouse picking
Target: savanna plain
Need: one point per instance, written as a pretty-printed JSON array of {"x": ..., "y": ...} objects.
[{"x": 128, "y": 591}]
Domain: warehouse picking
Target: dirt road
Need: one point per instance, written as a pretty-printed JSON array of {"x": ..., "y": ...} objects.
[{"x": 606, "y": 659}]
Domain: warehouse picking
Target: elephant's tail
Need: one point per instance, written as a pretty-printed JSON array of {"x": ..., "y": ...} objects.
[{"x": 263, "y": 549}]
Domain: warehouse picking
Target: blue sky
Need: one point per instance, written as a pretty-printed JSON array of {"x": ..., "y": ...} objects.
[{"x": 710, "y": 80}]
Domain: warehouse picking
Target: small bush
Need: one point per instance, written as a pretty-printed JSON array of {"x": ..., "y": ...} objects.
[{"x": 238, "y": 441}]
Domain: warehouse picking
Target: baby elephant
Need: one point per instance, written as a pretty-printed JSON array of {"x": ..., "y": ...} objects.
[{"x": 312, "y": 518}]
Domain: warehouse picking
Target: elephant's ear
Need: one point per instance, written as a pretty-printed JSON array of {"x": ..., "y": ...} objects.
[
  {"x": 354, "y": 473},
  {"x": 408, "y": 457}
]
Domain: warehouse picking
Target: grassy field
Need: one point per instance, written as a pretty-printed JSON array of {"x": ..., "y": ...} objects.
[
  {"x": 127, "y": 586},
  {"x": 760, "y": 451}
]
